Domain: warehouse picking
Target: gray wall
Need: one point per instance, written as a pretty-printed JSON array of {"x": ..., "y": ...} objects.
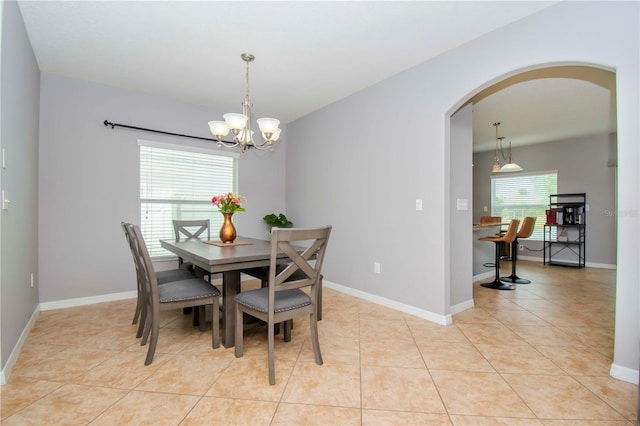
[
  {"x": 360, "y": 163},
  {"x": 461, "y": 176},
  {"x": 89, "y": 178},
  {"x": 20, "y": 87},
  {"x": 582, "y": 167}
]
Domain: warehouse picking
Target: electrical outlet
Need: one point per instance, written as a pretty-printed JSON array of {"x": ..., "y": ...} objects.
[
  {"x": 376, "y": 267},
  {"x": 520, "y": 247}
]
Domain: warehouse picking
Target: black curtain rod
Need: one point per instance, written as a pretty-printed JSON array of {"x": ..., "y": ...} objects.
[{"x": 108, "y": 123}]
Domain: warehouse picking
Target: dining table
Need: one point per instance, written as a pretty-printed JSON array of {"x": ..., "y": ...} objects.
[{"x": 229, "y": 259}]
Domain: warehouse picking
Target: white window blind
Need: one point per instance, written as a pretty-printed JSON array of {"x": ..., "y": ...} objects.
[
  {"x": 521, "y": 195},
  {"x": 178, "y": 183}
]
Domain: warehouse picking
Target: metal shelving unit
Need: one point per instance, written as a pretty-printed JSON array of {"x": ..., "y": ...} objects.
[{"x": 565, "y": 231}]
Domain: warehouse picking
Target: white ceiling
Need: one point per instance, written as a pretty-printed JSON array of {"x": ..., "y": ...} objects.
[{"x": 308, "y": 54}]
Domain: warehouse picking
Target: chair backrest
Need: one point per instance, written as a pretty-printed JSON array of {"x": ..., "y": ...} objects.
[
  {"x": 510, "y": 235},
  {"x": 186, "y": 228},
  {"x": 147, "y": 273},
  {"x": 306, "y": 265},
  {"x": 527, "y": 227},
  {"x": 128, "y": 233},
  {"x": 490, "y": 219}
]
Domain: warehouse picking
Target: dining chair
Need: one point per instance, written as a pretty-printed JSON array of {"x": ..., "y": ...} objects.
[
  {"x": 192, "y": 229},
  {"x": 162, "y": 278},
  {"x": 173, "y": 295},
  {"x": 283, "y": 299}
]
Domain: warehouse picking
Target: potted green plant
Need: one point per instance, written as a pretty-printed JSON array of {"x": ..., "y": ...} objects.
[{"x": 277, "y": 220}]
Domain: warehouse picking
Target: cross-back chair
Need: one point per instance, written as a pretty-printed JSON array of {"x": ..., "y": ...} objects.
[
  {"x": 162, "y": 278},
  {"x": 173, "y": 295},
  {"x": 185, "y": 229},
  {"x": 283, "y": 299}
]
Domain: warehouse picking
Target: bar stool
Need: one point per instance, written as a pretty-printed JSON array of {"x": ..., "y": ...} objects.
[
  {"x": 525, "y": 232},
  {"x": 508, "y": 237}
]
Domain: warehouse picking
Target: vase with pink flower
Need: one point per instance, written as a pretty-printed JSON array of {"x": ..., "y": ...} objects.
[{"x": 228, "y": 204}]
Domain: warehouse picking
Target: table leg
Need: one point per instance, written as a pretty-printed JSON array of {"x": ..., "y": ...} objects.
[{"x": 230, "y": 287}]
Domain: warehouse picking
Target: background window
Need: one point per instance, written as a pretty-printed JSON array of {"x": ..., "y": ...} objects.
[
  {"x": 177, "y": 183},
  {"x": 521, "y": 195}
]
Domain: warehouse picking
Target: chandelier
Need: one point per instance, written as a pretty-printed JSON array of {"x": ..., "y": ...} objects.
[
  {"x": 510, "y": 166},
  {"x": 240, "y": 124}
]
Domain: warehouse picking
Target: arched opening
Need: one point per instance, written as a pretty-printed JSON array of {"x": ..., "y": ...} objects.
[{"x": 462, "y": 125}]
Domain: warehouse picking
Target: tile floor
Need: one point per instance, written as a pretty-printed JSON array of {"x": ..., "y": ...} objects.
[{"x": 539, "y": 355}]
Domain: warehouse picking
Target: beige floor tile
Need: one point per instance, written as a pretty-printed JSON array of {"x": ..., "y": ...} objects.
[
  {"x": 372, "y": 311},
  {"x": 48, "y": 362},
  {"x": 622, "y": 396},
  {"x": 147, "y": 408},
  {"x": 185, "y": 374},
  {"x": 473, "y": 316},
  {"x": 329, "y": 384},
  {"x": 334, "y": 349},
  {"x": 560, "y": 397},
  {"x": 249, "y": 377},
  {"x": 547, "y": 335},
  {"x": 172, "y": 340},
  {"x": 339, "y": 328},
  {"x": 493, "y": 421},
  {"x": 126, "y": 370},
  {"x": 22, "y": 391},
  {"x": 577, "y": 360},
  {"x": 399, "y": 389},
  {"x": 402, "y": 418},
  {"x": 312, "y": 415},
  {"x": 482, "y": 394},
  {"x": 490, "y": 334},
  {"x": 454, "y": 356},
  {"x": 222, "y": 411},
  {"x": 511, "y": 318},
  {"x": 257, "y": 345},
  {"x": 69, "y": 404},
  {"x": 426, "y": 331},
  {"x": 374, "y": 329},
  {"x": 521, "y": 359},
  {"x": 392, "y": 353},
  {"x": 587, "y": 423}
]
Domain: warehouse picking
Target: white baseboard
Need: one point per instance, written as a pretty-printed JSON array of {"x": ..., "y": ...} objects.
[
  {"x": 421, "y": 313},
  {"x": 623, "y": 373},
  {"x": 13, "y": 357},
  {"x": 483, "y": 276},
  {"x": 462, "y": 306},
  {"x": 81, "y": 301}
]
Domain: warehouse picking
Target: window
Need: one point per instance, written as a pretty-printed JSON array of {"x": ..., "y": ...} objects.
[
  {"x": 517, "y": 196},
  {"x": 177, "y": 182}
]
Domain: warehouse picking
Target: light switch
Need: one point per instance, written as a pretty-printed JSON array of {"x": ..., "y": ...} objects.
[
  {"x": 5, "y": 200},
  {"x": 4, "y": 159},
  {"x": 462, "y": 204},
  {"x": 418, "y": 205}
]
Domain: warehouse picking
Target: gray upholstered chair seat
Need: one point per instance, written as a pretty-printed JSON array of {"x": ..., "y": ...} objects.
[
  {"x": 173, "y": 275},
  {"x": 192, "y": 289},
  {"x": 284, "y": 300}
]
